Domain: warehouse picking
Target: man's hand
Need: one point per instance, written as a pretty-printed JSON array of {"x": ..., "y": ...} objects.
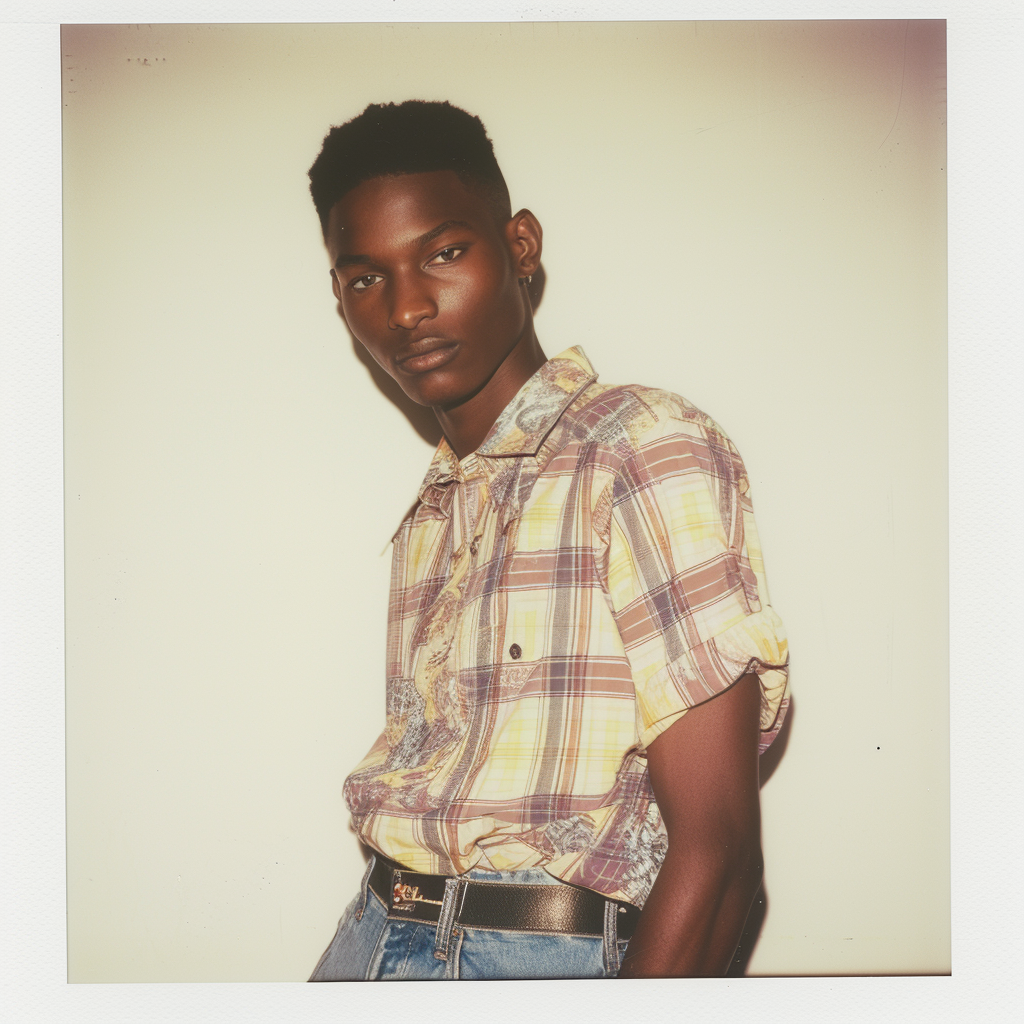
[{"x": 704, "y": 773}]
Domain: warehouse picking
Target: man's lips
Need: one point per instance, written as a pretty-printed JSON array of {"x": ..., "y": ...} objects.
[{"x": 426, "y": 354}]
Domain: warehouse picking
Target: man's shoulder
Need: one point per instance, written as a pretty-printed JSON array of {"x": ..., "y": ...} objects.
[{"x": 627, "y": 417}]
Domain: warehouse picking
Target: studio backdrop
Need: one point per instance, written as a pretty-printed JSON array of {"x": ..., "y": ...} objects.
[{"x": 749, "y": 214}]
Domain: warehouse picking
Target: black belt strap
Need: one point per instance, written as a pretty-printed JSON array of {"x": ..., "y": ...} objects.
[{"x": 564, "y": 908}]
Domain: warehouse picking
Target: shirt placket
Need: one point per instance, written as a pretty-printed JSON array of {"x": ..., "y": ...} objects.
[
  {"x": 471, "y": 499},
  {"x": 466, "y": 524}
]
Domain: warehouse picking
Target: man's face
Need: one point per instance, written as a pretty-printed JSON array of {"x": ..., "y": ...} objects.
[{"x": 428, "y": 281}]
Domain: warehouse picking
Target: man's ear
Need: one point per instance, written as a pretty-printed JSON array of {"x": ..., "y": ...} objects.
[
  {"x": 525, "y": 240},
  {"x": 335, "y": 284}
]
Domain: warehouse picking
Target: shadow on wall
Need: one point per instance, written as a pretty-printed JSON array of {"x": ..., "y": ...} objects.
[
  {"x": 421, "y": 418},
  {"x": 773, "y": 755}
]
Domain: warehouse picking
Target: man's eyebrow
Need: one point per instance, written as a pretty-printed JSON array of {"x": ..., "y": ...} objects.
[
  {"x": 441, "y": 229},
  {"x": 348, "y": 261},
  {"x": 360, "y": 258}
]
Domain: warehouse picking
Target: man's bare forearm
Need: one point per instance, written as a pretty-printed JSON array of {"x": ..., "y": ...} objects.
[
  {"x": 703, "y": 771},
  {"x": 694, "y": 916}
]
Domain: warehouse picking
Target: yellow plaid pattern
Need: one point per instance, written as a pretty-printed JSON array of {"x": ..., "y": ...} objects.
[{"x": 558, "y": 599}]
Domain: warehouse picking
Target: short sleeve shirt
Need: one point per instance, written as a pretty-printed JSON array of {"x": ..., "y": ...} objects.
[{"x": 558, "y": 599}]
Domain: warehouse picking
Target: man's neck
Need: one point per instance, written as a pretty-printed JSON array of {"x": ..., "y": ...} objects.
[{"x": 466, "y": 425}]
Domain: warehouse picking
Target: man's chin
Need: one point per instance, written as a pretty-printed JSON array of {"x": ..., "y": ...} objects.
[{"x": 443, "y": 394}]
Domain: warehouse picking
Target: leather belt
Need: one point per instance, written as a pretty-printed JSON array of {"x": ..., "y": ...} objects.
[{"x": 564, "y": 908}]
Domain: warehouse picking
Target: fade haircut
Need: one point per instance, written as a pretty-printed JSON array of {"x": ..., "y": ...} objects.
[{"x": 407, "y": 138}]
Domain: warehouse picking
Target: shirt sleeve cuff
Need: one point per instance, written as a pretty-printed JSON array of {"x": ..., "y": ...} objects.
[{"x": 757, "y": 643}]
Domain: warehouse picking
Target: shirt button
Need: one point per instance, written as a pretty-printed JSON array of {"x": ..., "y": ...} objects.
[
  {"x": 516, "y": 651},
  {"x": 474, "y": 546}
]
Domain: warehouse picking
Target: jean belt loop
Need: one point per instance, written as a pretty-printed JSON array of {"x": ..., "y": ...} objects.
[
  {"x": 364, "y": 888},
  {"x": 611, "y": 937},
  {"x": 446, "y": 919}
]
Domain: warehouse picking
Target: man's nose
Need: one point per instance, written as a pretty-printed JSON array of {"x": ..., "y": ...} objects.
[{"x": 411, "y": 302}]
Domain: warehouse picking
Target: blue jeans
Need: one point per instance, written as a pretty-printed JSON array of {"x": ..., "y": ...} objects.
[{"x": 368, "y": 946}]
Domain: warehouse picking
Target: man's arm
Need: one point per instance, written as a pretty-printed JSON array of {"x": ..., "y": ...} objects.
[{"x": 703, "y": 770}]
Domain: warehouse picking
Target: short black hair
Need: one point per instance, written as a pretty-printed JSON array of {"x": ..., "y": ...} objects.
[{"x": 407, "y": 138}]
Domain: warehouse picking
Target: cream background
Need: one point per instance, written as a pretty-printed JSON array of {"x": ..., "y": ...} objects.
[{"x": 750, "y": 214}]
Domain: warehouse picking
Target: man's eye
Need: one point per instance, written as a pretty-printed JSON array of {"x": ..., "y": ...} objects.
[
  {"x": 362, "y": 283},
  {"x": 447, "y": 255}
]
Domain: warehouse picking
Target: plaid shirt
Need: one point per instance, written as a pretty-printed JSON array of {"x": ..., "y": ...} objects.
[{"x": 559, "y": 598}]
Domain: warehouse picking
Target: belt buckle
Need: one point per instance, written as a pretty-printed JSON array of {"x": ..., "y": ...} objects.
[{"x": 405, "y": 897}]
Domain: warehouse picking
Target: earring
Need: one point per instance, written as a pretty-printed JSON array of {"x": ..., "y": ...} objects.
[{"x": 526, "y": 280}]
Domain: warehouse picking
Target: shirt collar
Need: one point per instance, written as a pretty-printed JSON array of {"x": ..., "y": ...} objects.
[
  {"x": 530, "y": 416},
  {"x": 520, "y": 430}
]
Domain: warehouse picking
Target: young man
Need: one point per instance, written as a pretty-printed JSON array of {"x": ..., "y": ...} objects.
[{"x": 582, "y": 660}]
